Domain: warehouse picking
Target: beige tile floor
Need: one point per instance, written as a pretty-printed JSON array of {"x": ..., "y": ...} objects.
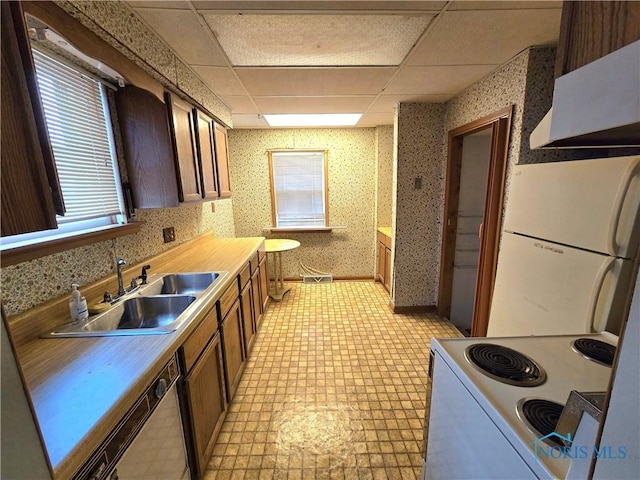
[{"x": 334, "y": 387}]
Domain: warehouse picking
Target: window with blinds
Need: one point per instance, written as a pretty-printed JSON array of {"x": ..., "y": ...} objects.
[
  {"x": 299, "y": 189},
  {"x": 76, "y": 114}
]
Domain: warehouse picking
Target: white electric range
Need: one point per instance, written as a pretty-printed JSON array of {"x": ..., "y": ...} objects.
[{"x": 476, "y": 427}]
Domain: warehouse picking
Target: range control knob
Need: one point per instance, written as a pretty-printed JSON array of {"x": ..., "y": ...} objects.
[{"x": 161, "y": 388}]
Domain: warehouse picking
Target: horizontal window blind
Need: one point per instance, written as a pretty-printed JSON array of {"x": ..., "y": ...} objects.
[
  {"x": 74, "y": 107},
  {"x": 299, "y": 188}
]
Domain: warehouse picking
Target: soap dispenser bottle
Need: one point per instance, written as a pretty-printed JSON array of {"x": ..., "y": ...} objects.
[{"x": 78, "y": 305}]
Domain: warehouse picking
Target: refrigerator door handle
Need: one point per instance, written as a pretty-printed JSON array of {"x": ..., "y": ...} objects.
[
  {"x": 621, "y": 195},
  {"x": 596, "y": 289}
]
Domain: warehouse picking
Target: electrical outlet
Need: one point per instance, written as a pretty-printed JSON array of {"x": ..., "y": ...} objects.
[
  {"x": 213, "y": 207},
  {"x": 169, "y": 234}
]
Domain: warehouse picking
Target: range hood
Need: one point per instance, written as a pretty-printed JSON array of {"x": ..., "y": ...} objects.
[{"x": 597, "y": 105}]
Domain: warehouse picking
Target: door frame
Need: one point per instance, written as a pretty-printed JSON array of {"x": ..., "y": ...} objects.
[{"x": 500, "y": 124}]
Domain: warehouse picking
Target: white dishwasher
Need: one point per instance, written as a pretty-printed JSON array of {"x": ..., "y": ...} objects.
[
  {"x": 149, "y": 441},
  {"x": 158, "y": 451}
]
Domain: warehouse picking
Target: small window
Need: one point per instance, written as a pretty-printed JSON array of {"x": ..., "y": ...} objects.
[
  {"x": 77, "y": 118},
  {"x": 299, "y": 189}
]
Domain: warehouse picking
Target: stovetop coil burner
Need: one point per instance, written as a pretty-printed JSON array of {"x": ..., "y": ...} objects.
[
  {"x": 505, "y": 365},
  {"x": 541, "y": 417},
  {"x": 596, "y": 350}
]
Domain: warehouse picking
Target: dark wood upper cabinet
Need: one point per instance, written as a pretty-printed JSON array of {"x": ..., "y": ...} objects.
[
  {"x": 222, "y": 158},
  {"x": 590, "y": 30},
  {"x": 30, "y": 189},
  {"x": 147, "y": 146},
  {"x": 184, "y": 148},
  {"x": 206, "y": 154}
]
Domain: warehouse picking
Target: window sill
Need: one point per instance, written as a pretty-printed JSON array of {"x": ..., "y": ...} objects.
[
  {"x": 15, "y": 255},
  {"x": 300, "y": 229}
]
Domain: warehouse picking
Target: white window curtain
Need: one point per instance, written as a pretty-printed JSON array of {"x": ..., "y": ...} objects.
[
  {"x": 76, "y": 116},
  {"x": 299, "y": 188}
]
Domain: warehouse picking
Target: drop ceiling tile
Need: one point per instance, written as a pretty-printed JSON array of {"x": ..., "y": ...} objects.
[
  {"x": 337, "y": 6},
  {"x": 485, "y": 37},
  {"x": 317, "y": 40},
  {"x": 240, "y": 103},
  {"x": 249, "y": 121},
  {"x": 387, "y": 103},
  {"x": 488, "y": 5},
  {"x": 182, "y": 31},
  {"x": 373, "y": 119},
  {"x": 314, "y": 82},
  {"x": 313, "y": 104},
  {"x": 437, "y": 80},
  {"x": 221, "y": 80},
  {"x": 173, "y": 4}
]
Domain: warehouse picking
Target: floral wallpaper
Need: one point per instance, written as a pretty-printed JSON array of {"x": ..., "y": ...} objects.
[
  {"x": 384, "y": 156},
  {"x": 31, "y": 283},
  {"x": 418, "y": 204},
  {"x": 116, "y": 23},
  {"x": 526, "y": 82},
  {"x": 346, "y": 252},
  {"x": 28, "y": 284}
]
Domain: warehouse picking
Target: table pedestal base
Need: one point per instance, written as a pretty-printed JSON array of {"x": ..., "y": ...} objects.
[
  {"x": 275, "y": 247},
  {"x": 277, "y": 295}
]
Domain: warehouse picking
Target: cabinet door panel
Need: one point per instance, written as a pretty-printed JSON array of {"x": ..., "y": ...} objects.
[
  {"x": 206, "y": 155},
  {"x": 387, "y": 269},
  {"x": 222, "y": 160},
  {"x": 257, "y": 302},
  {"x": 381, "y": 261},
  {"x": 264, "y": 284},
  {"x": 147, "y": 146},
  {"x": 184, "y": 136},
  {"x": 207, "y": 402},
  {"x": 28, "y": 170},
  {"x": 246, "y": 301},
  {"x": 233, "y": 349}
]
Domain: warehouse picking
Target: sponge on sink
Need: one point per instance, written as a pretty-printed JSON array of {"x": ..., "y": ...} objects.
[{"x": 96, "y": 308}]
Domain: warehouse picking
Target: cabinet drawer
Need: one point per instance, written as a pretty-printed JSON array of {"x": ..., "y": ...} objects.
[
  {"x": 255, "y": 261},
  {"x": 194, "y": 345},
  {"x": 227, "y": 299},
  {"x": 261, "y": 254},
  {"x": 245, "y": 275}
]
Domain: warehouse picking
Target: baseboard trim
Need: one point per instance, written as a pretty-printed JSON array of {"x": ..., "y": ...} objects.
[{"x": 415, "y": 309}]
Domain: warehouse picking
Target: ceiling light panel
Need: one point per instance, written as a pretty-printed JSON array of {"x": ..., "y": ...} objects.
[
  {"x": 313, "y": 119},
  {"x": 317, "y": 40},
  {"x": 313, "y": 104}
]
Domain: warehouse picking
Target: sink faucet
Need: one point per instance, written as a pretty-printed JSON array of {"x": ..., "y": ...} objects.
[{"x": 119, "y": 263}]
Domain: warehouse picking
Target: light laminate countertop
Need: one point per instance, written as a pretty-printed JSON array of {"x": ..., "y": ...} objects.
[
  {"x": 385, "y": 231},
  {"x": 81, "y": 387}
]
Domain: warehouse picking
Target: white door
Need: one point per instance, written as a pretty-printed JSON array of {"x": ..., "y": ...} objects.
[
  {"x": 544, "y": 288},
  {"x": 476, "y": 155}
]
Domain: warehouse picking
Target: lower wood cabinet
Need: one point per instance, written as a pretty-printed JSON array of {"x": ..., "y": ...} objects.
[
  {"x": 232, "y": 348},
  {"x": 264, "y": 284},
  {"x": 248, "y": 317},
  {"x": 384, "y": 261},
  {"x": 207, "y": 403},
  {"x": 203, "y": 390},
  {"x": 257, "y": 299}
]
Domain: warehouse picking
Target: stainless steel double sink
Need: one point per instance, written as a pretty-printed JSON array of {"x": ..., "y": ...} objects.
[{"x": 162, "y": 306}]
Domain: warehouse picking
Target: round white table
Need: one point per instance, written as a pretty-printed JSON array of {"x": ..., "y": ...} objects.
[{"x": 275, "y": 247}]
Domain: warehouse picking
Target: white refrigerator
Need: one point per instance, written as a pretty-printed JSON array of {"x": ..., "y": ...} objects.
[{"x": 571, "y": 233}]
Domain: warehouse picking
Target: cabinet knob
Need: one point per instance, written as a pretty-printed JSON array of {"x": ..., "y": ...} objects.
[{"x": 161, "y": 388}]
